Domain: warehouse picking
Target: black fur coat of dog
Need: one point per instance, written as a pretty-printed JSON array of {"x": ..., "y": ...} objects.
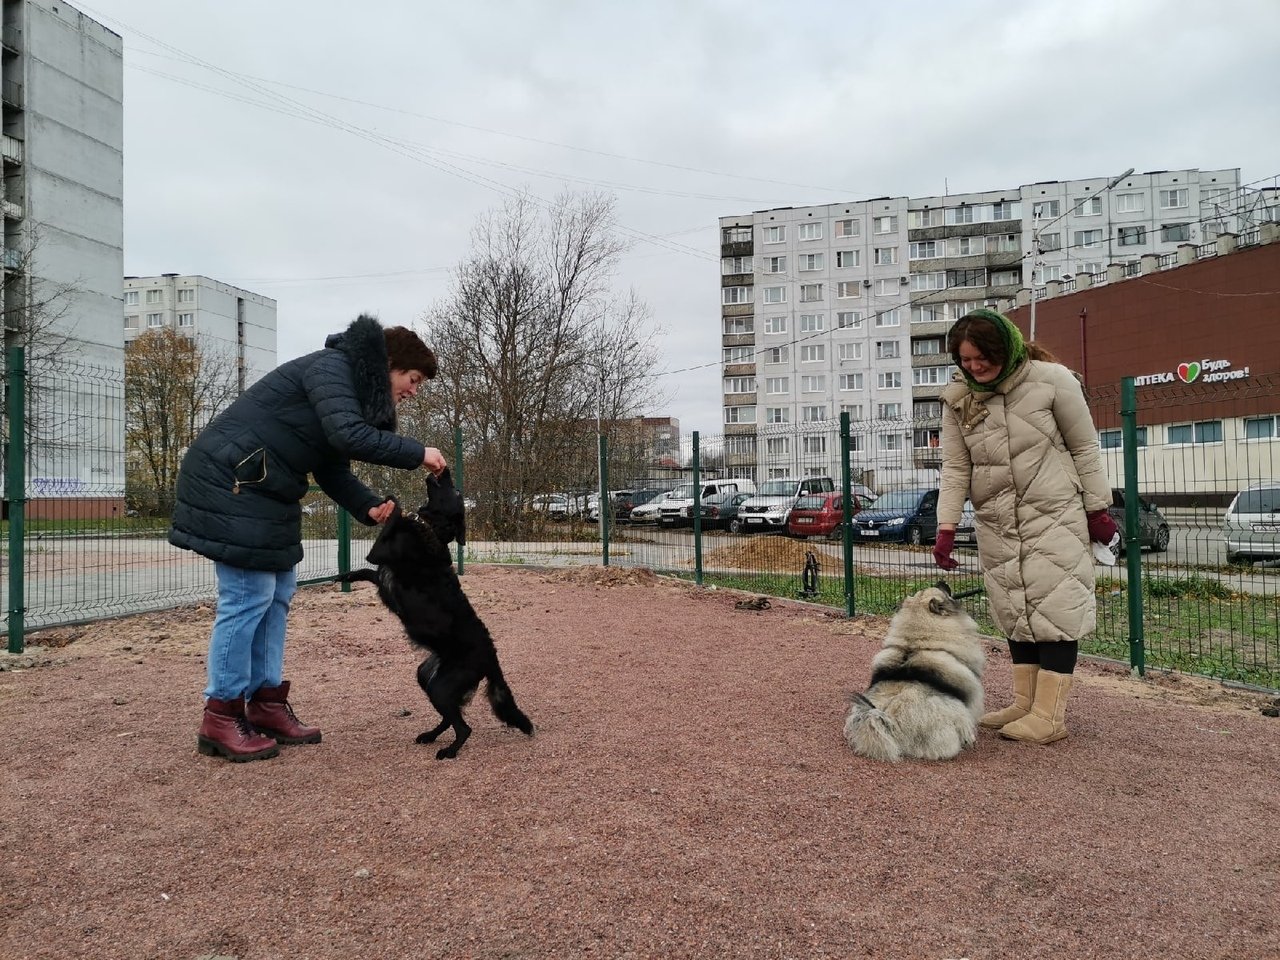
[{"x": 416, "y": 581}]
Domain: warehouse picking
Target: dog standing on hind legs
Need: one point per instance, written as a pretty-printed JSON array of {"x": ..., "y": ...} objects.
[
  {"x": 416, "y": 581},
  {"x": 925, "y": 696}
]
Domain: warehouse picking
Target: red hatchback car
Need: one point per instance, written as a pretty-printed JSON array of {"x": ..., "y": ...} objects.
[{"x": 820, "y": 514}]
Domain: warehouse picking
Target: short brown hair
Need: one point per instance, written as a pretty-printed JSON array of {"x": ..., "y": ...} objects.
[{"x": 406, "y": 351}]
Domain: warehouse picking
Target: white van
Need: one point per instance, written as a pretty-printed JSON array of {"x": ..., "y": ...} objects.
[{"x": 674, "y": 511}]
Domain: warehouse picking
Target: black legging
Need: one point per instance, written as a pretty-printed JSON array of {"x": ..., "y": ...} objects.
[{"x": 1060, "y": 657}]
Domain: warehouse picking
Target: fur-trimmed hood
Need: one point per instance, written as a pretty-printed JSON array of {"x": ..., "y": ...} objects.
[{"x": 366, "y": 348}]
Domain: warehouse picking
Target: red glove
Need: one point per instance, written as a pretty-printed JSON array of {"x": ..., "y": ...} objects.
[
  {"x": 1102, "y": 529},
  {"x": 942, "y": 548}
]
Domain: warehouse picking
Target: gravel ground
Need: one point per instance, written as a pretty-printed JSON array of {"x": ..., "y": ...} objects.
[{"x": 687, "y": 794}]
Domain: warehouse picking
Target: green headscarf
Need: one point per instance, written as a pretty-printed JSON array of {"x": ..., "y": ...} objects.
[{"x": 1015, "y": 348}]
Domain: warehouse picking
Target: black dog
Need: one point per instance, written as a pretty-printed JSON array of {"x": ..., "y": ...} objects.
[{"x": 416, "y": 581}]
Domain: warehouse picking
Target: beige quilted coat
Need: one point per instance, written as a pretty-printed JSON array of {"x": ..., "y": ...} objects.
[{"x": 1027, "y": 455}]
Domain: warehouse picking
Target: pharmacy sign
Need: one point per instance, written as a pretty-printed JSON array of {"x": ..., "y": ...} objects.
[{"x": 1195, "y": 371}]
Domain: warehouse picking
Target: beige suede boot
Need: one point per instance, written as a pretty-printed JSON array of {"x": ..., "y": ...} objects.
[
  {"x": 1047, "y": 720},
  {"x": 1024, "y": 688}
]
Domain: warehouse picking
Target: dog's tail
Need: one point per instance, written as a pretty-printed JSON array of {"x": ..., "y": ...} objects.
[
  {"x": 503, "y": 703},
  {"x": 870, "y": 731}
]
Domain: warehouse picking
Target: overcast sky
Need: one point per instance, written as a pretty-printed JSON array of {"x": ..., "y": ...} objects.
[{"x": 425, "y": 114}]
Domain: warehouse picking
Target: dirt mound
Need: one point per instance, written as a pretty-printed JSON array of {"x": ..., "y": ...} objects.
[
  {"x": 770, "y": 553},
  {"x": 606, "y": 576}
]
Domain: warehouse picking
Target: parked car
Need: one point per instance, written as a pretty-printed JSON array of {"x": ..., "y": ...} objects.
[
  {"x": 1251, "y": 525},
  {"x": 648, "y": 512},
  {"x": 821, "y": 514},
  {"x": 720, "y": 511},
  {"x": 677, "y": 507},
  {"x": 900, "y": 516},
  {"x": 593, "y": 503},
  {"x": 1153, "y": 529},
  {"x": 628, "y": 501},
  {"x": 773, "y": 500},
  {"x": 555, "y": 506},
  {"x": 966, "y": 529}
]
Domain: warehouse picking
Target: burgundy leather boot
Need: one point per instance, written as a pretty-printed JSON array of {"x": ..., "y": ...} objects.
[
  {"x": 269, "y": 713},
  {"x": 225, "y": 732}
]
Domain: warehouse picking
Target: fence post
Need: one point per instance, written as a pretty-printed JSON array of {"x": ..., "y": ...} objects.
[
  {"x": 604, "y": 504},
  {"x": 344, "y": 546},
  {"x": 458, "y": 482},
  {"x": 697, "y": 514},
  {"x": 1133, "y": 546},
  {"x": 846, "y": 522},
  {"x": 16, "y": 491}
]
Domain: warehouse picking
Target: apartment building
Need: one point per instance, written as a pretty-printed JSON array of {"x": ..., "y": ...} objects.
[
  {"x": 61, "y": 117},
  {"x": 229, "y": 323},
  {"x": 845, "y": 307}
]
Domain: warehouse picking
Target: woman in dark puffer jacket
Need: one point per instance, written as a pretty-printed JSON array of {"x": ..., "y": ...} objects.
[{"x": 239, "y": 504}]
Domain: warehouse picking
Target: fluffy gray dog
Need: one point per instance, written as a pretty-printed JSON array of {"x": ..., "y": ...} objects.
[{"x": 926, "y": 684}]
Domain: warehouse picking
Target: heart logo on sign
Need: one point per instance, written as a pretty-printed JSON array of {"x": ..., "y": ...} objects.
[{"x": 1187, "y": 372}]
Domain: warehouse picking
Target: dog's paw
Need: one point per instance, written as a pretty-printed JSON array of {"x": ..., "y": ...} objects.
[
  {"x": 446, "y": 753},
  {"x": 428, "y": 737}
]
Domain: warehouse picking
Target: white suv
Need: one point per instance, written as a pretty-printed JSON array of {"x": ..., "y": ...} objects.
[
  {"x": 677, "y": 508},
  {"x": 1251, "y": 526},
  {"x": 773, "y": 500}
]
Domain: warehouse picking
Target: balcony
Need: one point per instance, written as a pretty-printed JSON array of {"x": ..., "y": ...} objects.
[
  {"x": 11, "y": 40},
  {"x": 12, "y": 148},
  {"x": 12, "y": 210},
  {"x": 11, "y": 94},
  {"x": 739, "y": 248}
]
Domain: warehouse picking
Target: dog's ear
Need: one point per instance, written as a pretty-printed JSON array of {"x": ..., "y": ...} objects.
[{"x": 944, "y": 587}]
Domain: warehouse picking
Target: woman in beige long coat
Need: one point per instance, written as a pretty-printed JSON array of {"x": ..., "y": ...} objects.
[{"x": 1018, "y": 440}]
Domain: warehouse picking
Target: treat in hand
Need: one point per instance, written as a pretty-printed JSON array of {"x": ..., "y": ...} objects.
[{"x": 1102, "y": 529}]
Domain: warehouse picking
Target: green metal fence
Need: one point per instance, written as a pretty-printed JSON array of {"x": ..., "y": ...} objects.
[{"x": 81, "y": 542}]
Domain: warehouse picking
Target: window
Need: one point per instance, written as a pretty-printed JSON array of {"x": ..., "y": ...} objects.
[
  {"x": 851, "y": 381},
  {"x": 1130, "y": 203},
  {"x": 131, "y": 322},
  {"x": 777, "y": 355},
  {"x": 775, "y": 234},
  {"x": 735, "y": 295},
  {"x": 885, "y": 255},
  {"x": 962, "y": 308},
  {"x": 848, "y": 290},
  {"x": 1173, "y": 199},
  {"x": 924, "y": 218},
  {"x": 1091, "y": 267},
  {"x": 775, "y": 294},
  {"x": 1050, "y": 241},
  {"x": 775, "y": 264},
  {"x": 777, "y": 385},
  {"x": 812, "y": 322},
  {"x": 813, "y": 353},
  {"x": 739, "y": 325},
  {"x": 966, "y": 246},
  {"x": 743, "y": 414},
  {"x": 1089, "y": 207},
  {"x": 189, "y": 320},
  {"x": 850, "y": 351},
  {"x": 928, "y": 347},
  {"x": 855, "y": 412},
  {"x": 815, "y": 445},
  {"x": 154, "y": 296},
  {"x": 924, "y": 409},
  {"x": 742, "y": 446},
  {"x": 1114, "y": 439},
  {"x": 740, "y": 385},
  {"x": 809, "y": 231},
  {"x": 775, "y": 324},
  {"x": 848, "y": 258},
  {"x": 728, "y": 265},
  {"x": 777, "y": 415},
  {"x": 131, "y": 298},
  {"x": 887, "y": 318},
  {"x": 1259, "y": 428},
  {"x": 889, "y": 441},
  {"x": 813, "y": 384},
  {"x": 1087, "y": 238},
  {"x": 1047, "y": 210},
  {"x": 778, "y": 446},
  {"x": 848, "y": 228},
  {"x": 1004, "y": 243},
  {"x": 1213, "y": 229},
  {"x": 929, "y": 281},
  {"x": 849, "y": 320},
  {"x": 155, "y": 319},
  {"x": 731, "y": 354},
  {"x": 887, "y": 411},
  {"x": 928, "y": 437},
  {"x": 1208, "y": 431},
  {"x": 961, "y": 214},
  {"x": 1006, "y": 210},
  {"x": 735, "y": 235},
  {"x": 810, "y": 292},
  {"x": 888, "y": 287},
  {"x": 889, "y": 380},
  {"x": 813, "y": 414},
  {"x": 928, "y": 313},
  {"x": 810, "y": 261},
  {"x": 1050, "y": 273},
  {"x": 966, "y": 278},
  {"x": 886, "y": 224},
  {"x": 926, "y": 250},
  {"x": 1175, "y": 232},
  {"x": 930, "y": 376},
  {"x": 1006, "y": 278},
  {"x": 187, "y": 295},
  {"x": 888, "y": 349},
  {"x": 1132, "y": 236}
]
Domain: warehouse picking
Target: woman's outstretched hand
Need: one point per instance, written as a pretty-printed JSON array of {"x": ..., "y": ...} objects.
[
  {"x": 382, "y": 511},
  {"x": 434, "y": 460}
]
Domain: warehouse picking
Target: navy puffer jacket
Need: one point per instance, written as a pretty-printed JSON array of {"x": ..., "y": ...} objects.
[{"x": 242, "y": 481}]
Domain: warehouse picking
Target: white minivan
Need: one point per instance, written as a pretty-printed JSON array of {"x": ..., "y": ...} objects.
[{"x": 675, "y": 508}]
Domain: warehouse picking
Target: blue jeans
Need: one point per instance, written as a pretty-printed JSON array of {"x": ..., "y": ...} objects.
[{"x": 246, "y": 650}]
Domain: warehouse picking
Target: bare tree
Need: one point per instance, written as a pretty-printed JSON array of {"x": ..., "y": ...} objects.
[
  {"x": 173, "y": 387},
  {"x": 535, "y": 350}
]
